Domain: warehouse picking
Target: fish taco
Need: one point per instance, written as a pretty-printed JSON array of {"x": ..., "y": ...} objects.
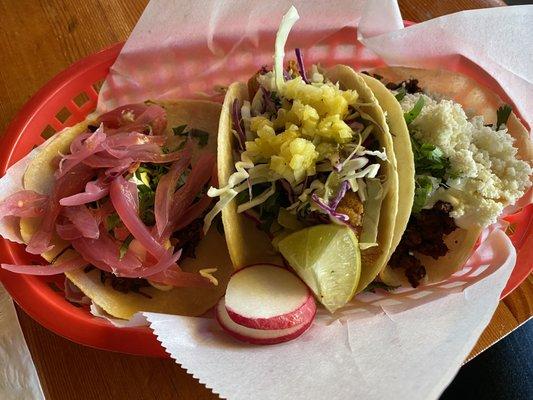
[{"x": 305, "y": 148}]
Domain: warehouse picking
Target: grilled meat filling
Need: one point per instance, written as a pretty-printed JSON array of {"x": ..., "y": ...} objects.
[{"x": 424, "y": 234}]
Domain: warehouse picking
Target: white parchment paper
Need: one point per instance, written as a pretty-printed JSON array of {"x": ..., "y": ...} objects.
[{"x": 410, "y": 350}]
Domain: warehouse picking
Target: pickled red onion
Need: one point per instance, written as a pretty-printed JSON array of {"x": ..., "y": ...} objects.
[
  {"x": 104, "y": 253},
  {"x": 25, "y": 203},
  {"x": 200, "y": 174},
  {"x": 192, "y": 212},
  {"x": 176, "y": 277},
  {"x": 165, "y": 190},
  {"x": 124, "y": 197},
  {"x": 71, "y": 183},
  {"x": 136, "y": 117},
  {"x": 83, "y": 220},
  {"x": 81, "y": 150},
  {"x": 94, "y": 190},
  {"x": 67, "y": 231},
  {"x": 51, "y": 269}
]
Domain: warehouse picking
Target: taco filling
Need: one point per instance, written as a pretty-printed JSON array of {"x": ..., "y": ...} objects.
[
  {"x": 466, "y": 173},
  {"x": 126, "y": 201},
  {"x": 309, "y": 153}
]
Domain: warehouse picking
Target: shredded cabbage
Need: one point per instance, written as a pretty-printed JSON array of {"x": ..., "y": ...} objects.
[
  {"x": 258, "y": 200},
  {"x": 287, "y": 22},
  {"x": 375, "y": 194}
]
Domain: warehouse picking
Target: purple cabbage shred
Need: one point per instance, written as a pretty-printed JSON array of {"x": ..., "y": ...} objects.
[
  {"x": 329, "y": 210},
  {"x": 236, "y": 122},
  {"x": 287, "y": 187},
  {"x": 301, "y": 66},
  {"x": 334, "y": 203}
]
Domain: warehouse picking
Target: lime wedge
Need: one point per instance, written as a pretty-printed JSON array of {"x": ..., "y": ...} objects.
[{"x": 328, "y": 260}]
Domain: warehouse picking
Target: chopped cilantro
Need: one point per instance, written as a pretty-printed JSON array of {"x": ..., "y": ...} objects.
[
  {"x": 146, "y": 205},
  {"x": 379, "y": 285},
  {"x": 198, "y": 134},
  {"x": 423, "y": 189},
  {"x": 431, "y": 167},
  {"x": 502, "y": 115},
  {"x": 180, "y": 130},
  {"x": 268, "y": 211},
  {"x": 124, "y": 246},
  {"x": 112, "y": 221},
  {"x": 202, "y": 136},
  {"x": 401, "y": 93},
  {"x": 410, "y": 116},
  {"x": 275, "y": 98},
  {"x": 429, "y": 159}
]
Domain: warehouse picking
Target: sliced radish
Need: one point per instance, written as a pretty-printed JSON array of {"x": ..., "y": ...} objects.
[
  {"x": 267, "y": 297},
  {"x": 257, "y": 336}
]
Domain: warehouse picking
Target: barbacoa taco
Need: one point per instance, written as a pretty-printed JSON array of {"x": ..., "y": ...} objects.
[
  {"x": 472, "y": 158},
  {"x": 300, "y": 149},
  {"x": 117, "y": 204}
]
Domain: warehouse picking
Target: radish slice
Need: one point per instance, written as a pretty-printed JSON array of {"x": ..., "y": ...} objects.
[
  {"x": 268, "y": 297},
  {"x": 257, "y": 336}
]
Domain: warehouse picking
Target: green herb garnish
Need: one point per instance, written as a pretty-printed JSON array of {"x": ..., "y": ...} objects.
[
  {"x": 268, "y": 211},
  {"x": 429, "y": 159},
  {"x": 423, "y": 189},
  {"x": 415, "y": 111},
  {"x": 201, "y": 136},
  {"x": 198, "y": 134},
  {"x": 112, "y": 221},
  {"x": 179, "y": 130},
  {"x": 379, "y": 285},
  {"x": 401, "y": 93},
  {"x": 502, "y": 115},
  {"x": 124, "y": 247}
]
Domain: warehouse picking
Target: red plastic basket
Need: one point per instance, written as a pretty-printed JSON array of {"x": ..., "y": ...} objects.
[{"x": 66, "y": 100}]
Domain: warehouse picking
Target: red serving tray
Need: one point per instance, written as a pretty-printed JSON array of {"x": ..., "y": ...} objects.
[{"x": 59, "y": 104}]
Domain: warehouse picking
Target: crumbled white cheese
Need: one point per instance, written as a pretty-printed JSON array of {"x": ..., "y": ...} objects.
[{"x": 488, "y": 175}]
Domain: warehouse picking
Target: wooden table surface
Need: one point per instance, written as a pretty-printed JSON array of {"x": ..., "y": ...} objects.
[{"x": 39, "y": 38}]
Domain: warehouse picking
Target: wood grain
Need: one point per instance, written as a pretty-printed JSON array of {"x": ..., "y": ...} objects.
[{"x": 38, "y": 39}]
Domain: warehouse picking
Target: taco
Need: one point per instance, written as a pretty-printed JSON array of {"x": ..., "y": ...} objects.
[
  {"x": 303, "y": 148},
  {"x": 472, "y": 158},
  {"x": 117, "y": 203}
]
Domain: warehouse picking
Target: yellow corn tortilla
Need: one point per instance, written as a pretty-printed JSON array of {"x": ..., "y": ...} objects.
[
  {"x": 247, "y": 244},
  {"x": 211, "y": 251},
  {"x": 476, "y": 100},
  {"x": 403, "y": 152}
]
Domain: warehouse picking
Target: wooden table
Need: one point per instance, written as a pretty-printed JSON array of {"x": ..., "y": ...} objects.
[{"x": 37, "y": 40}]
